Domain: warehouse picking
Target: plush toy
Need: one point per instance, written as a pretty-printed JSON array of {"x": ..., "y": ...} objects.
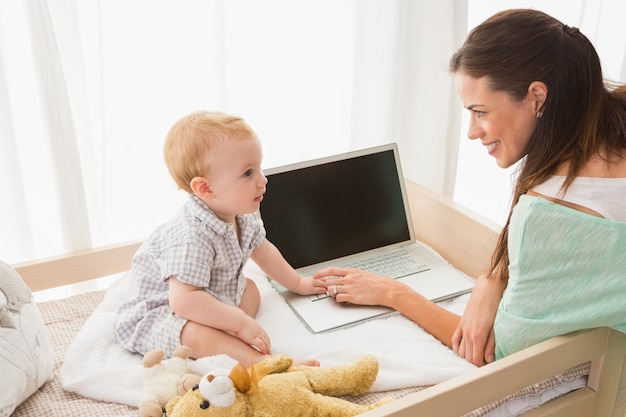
[
  {"x": 275, "y": 388},
  {"x": 163, "y": 380},
  {"x": 26, "y": 355}
]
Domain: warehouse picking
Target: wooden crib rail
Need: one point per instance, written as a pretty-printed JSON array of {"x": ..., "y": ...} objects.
[{"x": 77, "y": 266}]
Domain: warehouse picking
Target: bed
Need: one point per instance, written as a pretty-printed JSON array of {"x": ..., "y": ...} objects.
[{"x": 462, "y": 237}]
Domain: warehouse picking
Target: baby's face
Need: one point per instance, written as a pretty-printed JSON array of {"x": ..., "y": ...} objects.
[{"x": 236, "y": 179}]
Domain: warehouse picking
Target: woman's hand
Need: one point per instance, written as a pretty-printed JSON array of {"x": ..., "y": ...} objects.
[
  {"x": 474, "y": 337},
  {"x": 356, "y": 286}
]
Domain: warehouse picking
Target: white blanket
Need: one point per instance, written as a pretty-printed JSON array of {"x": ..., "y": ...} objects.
[{"x": 97, "y": 367}]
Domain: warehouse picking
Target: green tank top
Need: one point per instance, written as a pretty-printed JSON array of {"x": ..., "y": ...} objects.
[{"x": 567, "y": 272}]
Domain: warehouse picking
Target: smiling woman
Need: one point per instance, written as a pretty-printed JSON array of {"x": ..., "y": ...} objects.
[{"x": 481, "y": 186}]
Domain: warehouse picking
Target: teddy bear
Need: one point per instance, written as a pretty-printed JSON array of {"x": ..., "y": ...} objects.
[
  {"x": 163, "y": 380},
  {"x": 277, "y": 388}
]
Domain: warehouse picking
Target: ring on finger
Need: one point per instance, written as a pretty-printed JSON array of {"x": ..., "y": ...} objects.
[{"x": 335, "y": 290}]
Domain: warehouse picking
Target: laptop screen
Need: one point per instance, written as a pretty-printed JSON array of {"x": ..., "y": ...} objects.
[{"x": 336, "y": 207}]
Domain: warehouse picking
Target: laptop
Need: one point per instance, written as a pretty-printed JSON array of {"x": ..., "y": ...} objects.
[{"x": 349, "y": 209}]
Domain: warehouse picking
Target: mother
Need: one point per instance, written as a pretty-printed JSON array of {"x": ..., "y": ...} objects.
[{"x": 536, "y": 93}]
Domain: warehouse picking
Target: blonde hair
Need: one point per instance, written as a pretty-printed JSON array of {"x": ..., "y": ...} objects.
[{"x": 191, "y": 139}]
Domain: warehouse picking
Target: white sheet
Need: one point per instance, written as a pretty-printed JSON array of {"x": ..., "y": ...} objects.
[{"x": 97, "y": 367}]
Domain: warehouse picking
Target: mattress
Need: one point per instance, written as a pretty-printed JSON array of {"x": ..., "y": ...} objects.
[{"x": 65, "y": 317}]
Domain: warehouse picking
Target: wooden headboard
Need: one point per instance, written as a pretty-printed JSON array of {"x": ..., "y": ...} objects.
[
  {"x": 77, "y": 266},
  {"x": 461, "y": 236}
]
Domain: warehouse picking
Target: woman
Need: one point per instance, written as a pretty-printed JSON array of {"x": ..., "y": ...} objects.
[{"x": 535, "y": 91}]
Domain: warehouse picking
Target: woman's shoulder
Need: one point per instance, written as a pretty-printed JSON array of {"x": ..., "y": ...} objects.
[
  {"x": 596, "y": 190},
  {"x": 601, "y": 197}
]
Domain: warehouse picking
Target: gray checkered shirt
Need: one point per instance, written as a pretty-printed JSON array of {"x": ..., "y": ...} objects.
[{"x": 198, "y": 249}]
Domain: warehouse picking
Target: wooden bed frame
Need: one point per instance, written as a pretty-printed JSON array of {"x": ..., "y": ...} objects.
[{"x": 466, "y": 240}]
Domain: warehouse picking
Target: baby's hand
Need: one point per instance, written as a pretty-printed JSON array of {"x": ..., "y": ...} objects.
[
  {"x": 254, "y": 335},
  {"x": 309, "y": 285}
]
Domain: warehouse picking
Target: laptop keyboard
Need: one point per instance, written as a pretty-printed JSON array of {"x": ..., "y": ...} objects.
[{"x": 396, "y": 264}]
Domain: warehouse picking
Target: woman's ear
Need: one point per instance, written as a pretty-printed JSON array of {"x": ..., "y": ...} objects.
[
  {"x": 201, "y": 188},
  {"x": 538, "y": 91}
]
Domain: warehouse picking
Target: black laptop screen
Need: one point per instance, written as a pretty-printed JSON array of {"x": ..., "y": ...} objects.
[{"x": 326, "y": 211}]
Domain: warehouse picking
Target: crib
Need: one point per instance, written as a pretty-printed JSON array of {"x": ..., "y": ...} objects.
[{"x": 465, "y": 240}]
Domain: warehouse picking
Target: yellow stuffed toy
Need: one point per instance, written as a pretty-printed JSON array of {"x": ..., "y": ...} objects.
[
  {"x": 275, "y": 388},
  {"x": 163, "y": 380}
]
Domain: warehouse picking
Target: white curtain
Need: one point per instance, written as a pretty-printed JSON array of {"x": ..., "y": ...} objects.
[
  {"x": 402, "y": 90},
  {"x": 90, "y": 88}
]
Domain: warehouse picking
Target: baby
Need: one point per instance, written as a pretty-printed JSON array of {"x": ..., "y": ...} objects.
[{"x": 187, "y": 284}]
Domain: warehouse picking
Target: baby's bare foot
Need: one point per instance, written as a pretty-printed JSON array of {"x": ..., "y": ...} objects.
[{"x": 307, "y": 362}]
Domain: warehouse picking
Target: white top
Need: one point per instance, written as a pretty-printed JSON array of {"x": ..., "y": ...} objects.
[{"x": 606, "y": 196}]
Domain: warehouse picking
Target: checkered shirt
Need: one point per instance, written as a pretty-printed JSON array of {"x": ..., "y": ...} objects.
[{"x": 198, "y": 249}]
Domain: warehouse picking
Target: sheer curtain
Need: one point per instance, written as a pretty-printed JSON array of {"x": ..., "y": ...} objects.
[{"x": 89, "y": 89}]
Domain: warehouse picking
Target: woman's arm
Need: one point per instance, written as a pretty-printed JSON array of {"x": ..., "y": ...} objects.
[
  {"x": 474, "y": 338},
  {"x": 360, "y": 287},
  {"x": 436, "y": 320},
  {"x": 471, "y": 336}
]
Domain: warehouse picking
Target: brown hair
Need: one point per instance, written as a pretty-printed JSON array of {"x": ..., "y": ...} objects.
[
  {"x": 581, "y": 116},
  {"x": 191, "y": 139}
]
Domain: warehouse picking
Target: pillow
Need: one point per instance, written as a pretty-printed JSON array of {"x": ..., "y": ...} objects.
[{"x": 26, "y": 356}]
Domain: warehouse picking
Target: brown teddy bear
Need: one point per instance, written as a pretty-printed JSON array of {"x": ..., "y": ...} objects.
[{"x": 275, "y": 388}]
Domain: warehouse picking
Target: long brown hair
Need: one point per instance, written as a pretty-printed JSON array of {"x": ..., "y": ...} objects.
[{"x": 581, "y": 116}]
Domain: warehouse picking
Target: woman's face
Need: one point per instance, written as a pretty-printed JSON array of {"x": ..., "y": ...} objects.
[{"x": 504, "y": 126}]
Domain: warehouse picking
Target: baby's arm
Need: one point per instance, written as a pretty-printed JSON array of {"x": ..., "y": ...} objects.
[
  {"x": 271, "y": 261},
  {"x": 197, "y": 305}
]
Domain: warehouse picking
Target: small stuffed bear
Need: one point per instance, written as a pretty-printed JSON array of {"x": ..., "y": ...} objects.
[
  {"x": 275, "y": 388},
  {"x": 163, "y": 380}
]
